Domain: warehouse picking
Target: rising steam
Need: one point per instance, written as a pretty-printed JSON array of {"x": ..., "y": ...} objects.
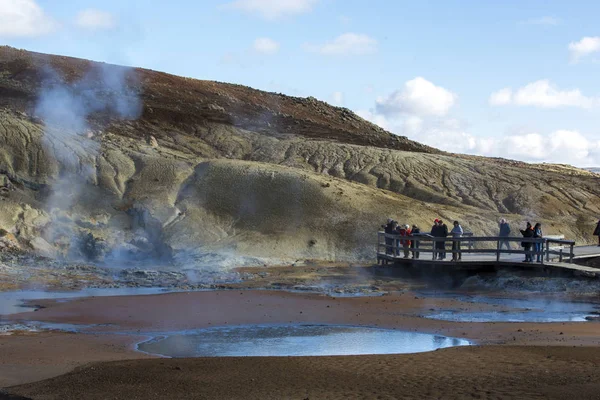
[{"x": 74, "y": 114}]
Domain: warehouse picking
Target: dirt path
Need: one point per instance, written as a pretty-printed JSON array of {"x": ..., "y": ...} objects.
[{"x": 459, "y": 373}]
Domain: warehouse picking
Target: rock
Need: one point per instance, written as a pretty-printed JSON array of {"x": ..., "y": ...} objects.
[
  {"x": 215, "y": 107},
  {"x": 5, "y": 182},
  {"x": 152, "y": 142},
  {"x": 42, "y": 247}
]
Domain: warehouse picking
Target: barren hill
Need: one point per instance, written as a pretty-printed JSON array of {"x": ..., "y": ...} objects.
[{"x": 110, "y": 163}]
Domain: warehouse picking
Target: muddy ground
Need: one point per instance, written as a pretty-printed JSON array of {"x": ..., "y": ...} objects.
[{"x": 513, "y": 360}]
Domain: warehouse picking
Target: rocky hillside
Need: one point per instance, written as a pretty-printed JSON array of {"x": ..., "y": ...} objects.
[{"x": 112, "y": 164}]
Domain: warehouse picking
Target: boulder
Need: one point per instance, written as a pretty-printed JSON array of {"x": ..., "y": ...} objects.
[{"x": 42, "y": 247}]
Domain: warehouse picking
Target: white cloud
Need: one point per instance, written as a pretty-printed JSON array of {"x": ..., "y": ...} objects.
[
  {"x": 266, "y": 46},
  {"x": 24, "y": 18},
  {"x": 560, "y": 146},
  {"x": 94, "y": 19},
  {"x": 584, "y": 47},
  {"x": 348, "y": 44},
  {"x": 338, "y": 98},
  {"x": 545, "y": 20},
  {"x": 501, "y": 97},
  {"x": 543, "y": 94},
  {"x": 418, "y": 97},
  {"x": 273, "y": 9},
  {"x": 420, "y": 111}
]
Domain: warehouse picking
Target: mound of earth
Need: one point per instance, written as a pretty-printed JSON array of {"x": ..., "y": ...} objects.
[{"x": 112, "y": 164}]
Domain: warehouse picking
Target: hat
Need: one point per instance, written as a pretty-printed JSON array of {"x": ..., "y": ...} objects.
[
  {"x": 436, "y": 220},
  {"x": 406, "y": 226}
]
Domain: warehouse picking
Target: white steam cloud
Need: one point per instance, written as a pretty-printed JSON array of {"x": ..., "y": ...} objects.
[{"x": 65, "y": 109}]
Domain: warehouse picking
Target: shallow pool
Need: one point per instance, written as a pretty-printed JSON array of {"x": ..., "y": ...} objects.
[
  {"x": 13, "y": 302},
  {"x": 532, "y": 309},
  {"x": 294, "y": 340}
]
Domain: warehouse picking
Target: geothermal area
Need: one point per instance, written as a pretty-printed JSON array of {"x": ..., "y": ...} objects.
[{"x": 164, "y": 237}]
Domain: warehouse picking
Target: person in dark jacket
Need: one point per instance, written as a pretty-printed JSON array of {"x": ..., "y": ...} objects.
[
  {"x": 415, "y": 243},
  {"x": 442, "y": 233},
  {"x": 389, "y": 230},
  {"x": 504, "y": 233},
  {"x": 597, "y": 232},
  {"x": 527, "y": 233},
  {"x": 537, "y": 247},
  {"x": 434, "y": 230}
]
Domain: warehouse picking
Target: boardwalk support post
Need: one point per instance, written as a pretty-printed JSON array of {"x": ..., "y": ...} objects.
[{"x": 497, "y": 251}]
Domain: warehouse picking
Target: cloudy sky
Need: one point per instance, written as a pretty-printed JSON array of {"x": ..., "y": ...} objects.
[{"x": 512, "y": 78}]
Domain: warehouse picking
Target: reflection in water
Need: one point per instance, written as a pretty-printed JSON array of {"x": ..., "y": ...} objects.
[{"x": 294, "y": 340}]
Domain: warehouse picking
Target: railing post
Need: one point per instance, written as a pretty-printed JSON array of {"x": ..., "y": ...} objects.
[
  {"x": 547, "y": 251},
  {"x": 497, "y": 251},
  {"x": 560, "y": 255},
  {"x": 571, "y": 255},
  {"x": 541, "y": 256}
]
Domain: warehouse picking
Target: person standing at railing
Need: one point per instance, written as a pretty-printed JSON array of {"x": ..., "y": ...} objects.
[
  {"x": 443, "y": 233},
  {"x": 414, "y": 244},
  {"x": 389, "y": 230},
  {"x": 435, "y": 232},
  {"x": 396, "y": 239},
  {"x": 597, "y": 232},
  {"x": 538, "y": 234},
  {"x": 456, "y": 232},
  {"x": 405, "y": 231},
  {"x": 504, "y": 233},
  {"x": 527, "y": 233}
]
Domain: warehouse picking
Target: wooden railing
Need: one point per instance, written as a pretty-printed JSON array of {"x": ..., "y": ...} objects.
[{"x": 390, "y": 246}]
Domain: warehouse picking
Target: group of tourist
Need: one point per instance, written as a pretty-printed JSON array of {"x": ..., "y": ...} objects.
[
  {"x": 393, "y": 245},
  {"x": 530, "y": 231},
  {"x": 438, "y": 230},
  {"x": 532, "y": 248}
]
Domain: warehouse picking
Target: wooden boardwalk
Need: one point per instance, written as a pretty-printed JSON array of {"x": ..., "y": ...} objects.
[
  {"x": 583, "y": 252},
  {"x": 557, "y": 255}
]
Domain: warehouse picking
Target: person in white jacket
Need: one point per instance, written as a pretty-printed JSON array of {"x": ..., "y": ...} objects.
[{"x": 456, "y": 232}]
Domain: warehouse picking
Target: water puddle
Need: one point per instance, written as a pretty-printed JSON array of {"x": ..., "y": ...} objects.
[
  {"x": 532, "y": 309},
  {"x": 294, "y": 340},
  {"x": 14, "y": 302},
  {"x": 8, "y": 328}
]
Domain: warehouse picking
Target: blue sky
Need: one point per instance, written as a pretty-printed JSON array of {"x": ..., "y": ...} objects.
[{"x": 516, "y": 79}]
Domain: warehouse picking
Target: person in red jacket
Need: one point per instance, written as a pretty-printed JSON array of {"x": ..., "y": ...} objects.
[{"x": 405, "y": 231}]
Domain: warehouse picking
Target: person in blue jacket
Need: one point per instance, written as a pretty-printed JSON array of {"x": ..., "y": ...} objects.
[
  {"x": 456, "y": 232},
  {"x": 504, "y": 233},
  {"x": 537, "y": 247}
]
